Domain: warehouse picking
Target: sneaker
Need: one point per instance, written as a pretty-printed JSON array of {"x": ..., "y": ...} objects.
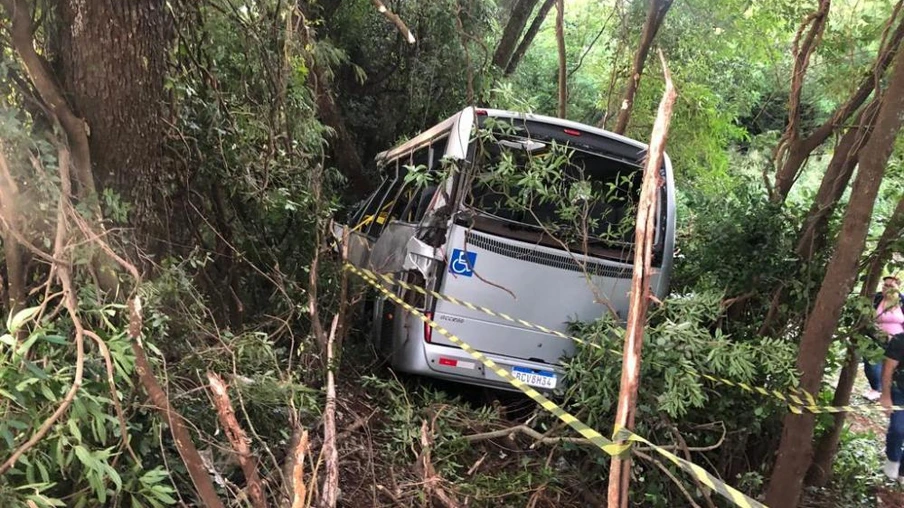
[
  {"x": 891, "y": 469},
  {"x": 872, "y": 395}
]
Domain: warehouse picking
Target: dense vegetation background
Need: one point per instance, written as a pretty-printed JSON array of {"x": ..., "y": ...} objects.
[{"x": 188, "y": 155}]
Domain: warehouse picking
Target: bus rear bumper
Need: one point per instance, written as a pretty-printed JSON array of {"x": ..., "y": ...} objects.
[{"x": 454, "y": 364}]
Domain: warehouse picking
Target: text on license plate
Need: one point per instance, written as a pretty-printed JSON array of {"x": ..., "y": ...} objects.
[{"x": 534, "y": 377}]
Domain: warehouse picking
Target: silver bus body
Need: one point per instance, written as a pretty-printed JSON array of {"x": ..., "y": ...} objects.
[{"x": 420, "y": 236}]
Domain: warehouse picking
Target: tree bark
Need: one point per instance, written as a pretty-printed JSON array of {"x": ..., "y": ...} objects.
[
  {"x": 821, "y": 470},
  {"x": 795, "y": 450},
  {"x": 620, "y": 469},
  {"x": 796, "y": 149},
  {"x": 529, "y": 36},
  {"x": 113, "y": 63},
  {"x": 238, "y": 439},
  {"x": 837, "y": 176},
  {"x": 342, "y": 148},
  {"x": 181, "y": 436},
  {"x": 655, "y": 16},
  {"x": 512, "y": 32},
  {"x": 562, "y": 109}
]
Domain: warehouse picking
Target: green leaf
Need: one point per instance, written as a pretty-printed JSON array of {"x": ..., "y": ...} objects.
[
  {"x": 16, "y": 322},
  {"x": 8, "y": 340},
  {"x": 114, "y": 476},
  {"x": 84, "y": 456},
  {"x": 75, "y": 431}
]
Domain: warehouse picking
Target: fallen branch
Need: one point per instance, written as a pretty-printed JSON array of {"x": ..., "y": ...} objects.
[
  {"x": 620, "y": 469},
  {"x": 395, "y": 19},
  {"x": 553, "y": 440},
  {"x": 331, "y": 482},
  {"x": 432, "y": 481},
  {"x": 71, "y": 304},
  {"x": 672, "y": 477},
  {"x": 299, "y": 489},
  {"x": 181, "y": 436},
  {"x": 238, "y": 439},
  {"x": 357, "y": 424}
]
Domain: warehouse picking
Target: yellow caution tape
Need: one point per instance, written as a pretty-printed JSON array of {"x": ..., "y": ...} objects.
[
  {"x": 799, "y": 401},
  {"x": 604, "y": 444},
  {"x": 790, "y": 399},
  {"x": 704, "y": 476}
]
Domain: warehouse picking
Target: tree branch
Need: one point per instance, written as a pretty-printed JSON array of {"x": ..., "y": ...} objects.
[
  {"x": 395, "y": 19},
  {"x": 237, "y": 438}
]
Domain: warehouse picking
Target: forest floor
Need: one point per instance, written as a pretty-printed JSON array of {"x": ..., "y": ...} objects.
[{"x": 382, "y": 454}]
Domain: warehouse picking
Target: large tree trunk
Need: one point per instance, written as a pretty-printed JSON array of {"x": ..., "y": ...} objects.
[
  {"x": 795, "y": 450},
  {"x": 529, "y": 36},
  {"x": 113, "y": 61},
  {"x": 512, "y": 32},
  {"x": 655, "y": 15},
  {"x": 821, "y": 470},
  {"x": 562, "y": 108}
]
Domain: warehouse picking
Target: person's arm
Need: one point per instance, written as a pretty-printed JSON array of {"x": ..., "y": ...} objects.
[{"x": 888, "y": 373}]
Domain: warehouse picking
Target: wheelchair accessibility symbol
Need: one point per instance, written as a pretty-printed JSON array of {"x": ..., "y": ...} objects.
[{"x": 462, "y": 262}]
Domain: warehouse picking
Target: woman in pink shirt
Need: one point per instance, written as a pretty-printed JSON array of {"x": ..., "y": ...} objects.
[{"x": 890, "y": 322}]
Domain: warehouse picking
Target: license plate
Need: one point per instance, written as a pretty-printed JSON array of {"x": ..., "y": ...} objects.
[{"x": 533, "y": 377}]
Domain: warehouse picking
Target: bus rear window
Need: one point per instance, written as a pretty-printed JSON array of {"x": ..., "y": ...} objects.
[{"x": 543, "y": 190}]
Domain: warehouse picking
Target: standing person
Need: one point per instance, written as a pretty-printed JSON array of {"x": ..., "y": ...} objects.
[
  {"x": 890, "y": 319},
  {"x": 892, "y": 393},
  {"x": 889, "y": 322}
]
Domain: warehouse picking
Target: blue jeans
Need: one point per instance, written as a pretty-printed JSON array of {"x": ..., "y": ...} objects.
[
  {"x": 873, "y": 372},
  {"x": 894, "y": 438}
]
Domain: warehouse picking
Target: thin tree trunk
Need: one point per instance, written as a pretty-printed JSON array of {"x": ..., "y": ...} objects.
[
  {"x": 529, "y": 36},
  {"x": 562, "y": 110},
  {"x": 812, "y": 237},
  {"x": 181, "y": 436},
  {"x": 512, "y": 32},
  {"x": 237, "y": 438},
  {"x": 13, "y": 255},
  {"x": 797, "y": 149},
  {"x": 795, "y": 450},
  {"x": 821, "y": 470},
  {"x": 343, "y": 148},
  {"x": 620, "y": 469},
  {"x": 655, "y": 15},
  {"x": 837, "y": 176}
]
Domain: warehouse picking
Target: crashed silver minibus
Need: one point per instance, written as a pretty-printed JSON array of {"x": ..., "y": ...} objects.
[{"x": 541, "y": 252}]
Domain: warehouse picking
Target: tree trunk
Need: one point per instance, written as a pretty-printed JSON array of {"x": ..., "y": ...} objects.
[
  {"x": 799, "y": 149},
  {"x": 795, "y": 450},
  {"x": 655, "y": 15},
  {"x": 512, "y": 32},
  {"x": 343, "y": 149},
  {"x": 821, "y": 470},
  {"x": 529, "y": 36},
  {"x": 562, "y": 109},
  {"x": 113, "y": 61},
  {"x": 837, "y": 176},
  {"x": 812, "y": 237},
  {"x": 620, "y": 469}
]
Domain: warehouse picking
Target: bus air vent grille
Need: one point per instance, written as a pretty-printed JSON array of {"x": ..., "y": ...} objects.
[{"x": 564, "y": 262}]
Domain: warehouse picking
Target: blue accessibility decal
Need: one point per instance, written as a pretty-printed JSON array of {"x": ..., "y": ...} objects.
[{"x": 462, "y": 262}]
